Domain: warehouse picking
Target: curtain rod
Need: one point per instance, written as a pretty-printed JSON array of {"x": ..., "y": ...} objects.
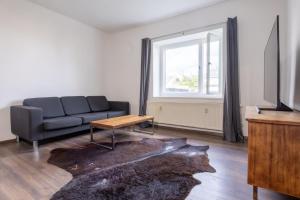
[{"x": 189, "y": 30}]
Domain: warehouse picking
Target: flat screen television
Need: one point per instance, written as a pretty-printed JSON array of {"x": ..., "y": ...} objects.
[{"x": 272, "y": 71}]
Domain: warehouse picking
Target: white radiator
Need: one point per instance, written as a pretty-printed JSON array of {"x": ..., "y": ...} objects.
[{"x": 206, "y": 116}]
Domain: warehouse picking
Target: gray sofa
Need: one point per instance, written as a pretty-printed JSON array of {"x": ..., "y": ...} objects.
[{"x": 42, "y": 118}]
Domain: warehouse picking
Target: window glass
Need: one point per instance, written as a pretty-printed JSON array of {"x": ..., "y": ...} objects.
[{"x": 182, "y": 69}]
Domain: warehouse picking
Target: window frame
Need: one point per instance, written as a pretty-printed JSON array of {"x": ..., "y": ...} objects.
[
  {"x": 160, "y": 93},
  {"x": 222, "y": 65}
]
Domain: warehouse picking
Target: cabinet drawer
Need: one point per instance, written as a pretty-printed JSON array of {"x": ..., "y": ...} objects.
[{"x": 274, "y": 157}]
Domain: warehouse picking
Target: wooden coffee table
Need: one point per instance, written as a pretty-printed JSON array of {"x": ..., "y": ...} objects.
[{"x": 117, "y": 123}]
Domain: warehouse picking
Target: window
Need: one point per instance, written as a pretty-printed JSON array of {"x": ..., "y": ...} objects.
[{"x": 189, "y": 65}]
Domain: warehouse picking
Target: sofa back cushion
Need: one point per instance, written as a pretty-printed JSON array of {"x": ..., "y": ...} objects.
[
  {"x": 75, "y": 105},
  {"x": 98, "y": 103},
  {"x": 51, "y": 106}
]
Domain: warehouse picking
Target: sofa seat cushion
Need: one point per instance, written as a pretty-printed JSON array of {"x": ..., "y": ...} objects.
[
  {"x": 88, "y": 117},
  {"x": 98, "y": 103},
  {"x": 75, "y": 105},
  {"x": 51, "y": 106},
  {"x": 111, "y": 114},
  {"x": 61, "y": 122}
]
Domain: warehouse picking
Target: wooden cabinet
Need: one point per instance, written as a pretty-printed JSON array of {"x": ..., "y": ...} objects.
[{"x": 274, "y": 151}]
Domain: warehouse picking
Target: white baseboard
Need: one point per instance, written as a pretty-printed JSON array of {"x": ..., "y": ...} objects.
[{"x": 212, "y": 131}]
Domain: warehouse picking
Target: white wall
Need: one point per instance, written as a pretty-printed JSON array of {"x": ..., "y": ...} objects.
[
  {"x": 43, "y": 53},
  {"x": 256, "y": 18},
  {"x": 293, "y": 50}
]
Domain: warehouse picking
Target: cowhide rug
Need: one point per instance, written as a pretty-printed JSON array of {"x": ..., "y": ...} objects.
[{"x": 138, "y": 170}]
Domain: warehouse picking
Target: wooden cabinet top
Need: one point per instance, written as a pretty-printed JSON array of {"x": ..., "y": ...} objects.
[{"x": 272, "y": 117}]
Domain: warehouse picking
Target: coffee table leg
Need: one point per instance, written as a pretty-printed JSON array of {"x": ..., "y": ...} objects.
[
  {"x": 152, "y": 132},
  {"x": 91, "y": 133},
  {"x": 113, "y": 139},
  {"x": 111, "y": 147},
  {"x": 153, "y": 126}
]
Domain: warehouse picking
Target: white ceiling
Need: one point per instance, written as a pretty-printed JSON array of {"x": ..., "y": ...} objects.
[{"x": 114, "y": 15}]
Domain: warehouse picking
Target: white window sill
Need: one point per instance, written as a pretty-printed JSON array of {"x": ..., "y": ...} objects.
[{"x": 206, "y": 100}]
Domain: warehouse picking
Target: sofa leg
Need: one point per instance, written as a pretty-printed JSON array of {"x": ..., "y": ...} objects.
[
  {"x": 17, "y": 139},
  {"x": 35, "y": 145}
]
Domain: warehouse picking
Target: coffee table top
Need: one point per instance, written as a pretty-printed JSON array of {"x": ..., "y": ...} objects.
[{"x": 119, "y": 122}]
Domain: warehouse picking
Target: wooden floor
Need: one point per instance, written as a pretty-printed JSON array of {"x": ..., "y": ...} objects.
[{"x": 26, "y": 175}]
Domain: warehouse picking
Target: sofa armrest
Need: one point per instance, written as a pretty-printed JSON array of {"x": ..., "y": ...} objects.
[
  {"x": 26, "y": 122},
  {"x": 120, "y": 105}
]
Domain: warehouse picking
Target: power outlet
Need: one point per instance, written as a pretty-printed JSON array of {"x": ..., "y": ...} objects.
[{"x": 206, "y": 110}]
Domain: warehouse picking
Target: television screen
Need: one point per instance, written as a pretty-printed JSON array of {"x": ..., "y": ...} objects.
[{"x": 271, "y": 71}]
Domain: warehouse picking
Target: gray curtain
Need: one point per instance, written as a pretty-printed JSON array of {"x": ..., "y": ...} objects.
[
  {"x": 232, "y": 118},
  {"x": 145, "y": 74}
]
